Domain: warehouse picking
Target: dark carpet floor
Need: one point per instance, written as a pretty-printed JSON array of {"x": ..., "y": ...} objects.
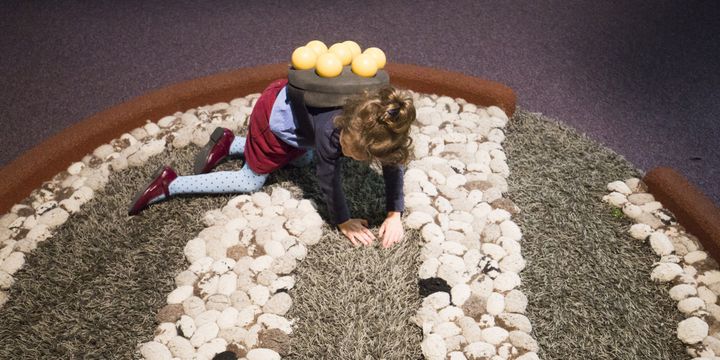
[{"x": 639, "y": 76}]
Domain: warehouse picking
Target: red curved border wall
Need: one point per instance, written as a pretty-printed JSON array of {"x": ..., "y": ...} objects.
[
  {"x": 41, "y": 163},
  {"x": 695, "y": 211}
]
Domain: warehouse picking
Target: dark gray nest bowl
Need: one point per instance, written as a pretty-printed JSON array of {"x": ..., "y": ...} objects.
[{"x": 332, "y": 92}]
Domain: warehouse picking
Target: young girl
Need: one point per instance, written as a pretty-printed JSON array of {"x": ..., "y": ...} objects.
[{"x": 371, "y": 127}]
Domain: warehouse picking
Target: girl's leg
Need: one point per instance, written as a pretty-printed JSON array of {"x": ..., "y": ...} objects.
[
  {"x": 304, "y": 159},
  {"x": 237, "y": 148},
  {"x": 242, "y": 181}
]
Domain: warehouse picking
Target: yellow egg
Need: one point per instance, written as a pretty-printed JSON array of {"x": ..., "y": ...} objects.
[
  {"x": 318, "y": 46},
  {"x": 328, "y": 65},
  {"x": 354, "y": 48},
  {"x": 364, "y": 65},
  {"x": 343, "y": 53},
  {"x": 378, "y": 55},
  {"x": 303, "y": 58}
]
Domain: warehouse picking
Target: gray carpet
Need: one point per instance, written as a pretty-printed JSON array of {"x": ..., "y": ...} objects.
[{"x": 587, "y": 281}]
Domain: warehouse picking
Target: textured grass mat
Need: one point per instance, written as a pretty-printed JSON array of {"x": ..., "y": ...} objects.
[
  {"x": 587, "y": 281},
  {"x": 93, "y": 289}
]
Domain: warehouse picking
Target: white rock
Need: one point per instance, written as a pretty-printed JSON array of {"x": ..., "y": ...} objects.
[
  {"x": 523, "y": 340},
  {"x": 615, "y": 198},
  {"x": 272, "y": 321},
  {"x": 446, "y": 329},
  {"x": 620, "y": 187},
  {"x": 515, "y": 302},
  {"x": 417, "y": 219},
  {"x": 428, "y": 268},
  {"x": 75, "y": 168},
  {"x": 495, "y": 304},
  {"x": 211, "y": 348},
  {"x": 682, "y": 291},
  {"x": 640, "y": 231},
  {"x": 54, "y": 217},
  {"x": 298, "y": 251},
  {"x": 457, "y": 355},
  {"x": 690, "y": 305},
  {"x": 207, "y": 317},
  {"x": 155, "y": 351},
  {"x": 460, "y": 293},
  {"x": 227, "y": 284},
  {"x": 186, "y": 277},
  {"x": 261, "y": 263},
  {"x": 450, "y": 313},
  {"x": 495, "y": 251},
  {"x": 455, "y": 180},
  {"x": 179, "y": 295},
  {"x": 661, "y": 244},
  {"x": 710, "y": 277},
  {"x": 443, "y": 205},
  {"x": 433, "y": 347},
  {"x": 512, "y": 263},
  {"x": 6, "y": 280},
  {"x": 165, "y": 332},
  {"x": 227, "y": 318},
  {"x": 695, "y": 256},
  {"x": 495, "y": 335},
  {"x": 181, "y": 347},
  {"x": 311, "y": 236},
  {"x": 262, "y": 354},
  {"x": 432, "y": 232},
  {"x": 632, "y": 211},
  {"x": 692, "y": 330},
  {"x": 274, "y": 249},
  {"x": 437, "y": 300},
  {"x": 194, "y": 250},
  {"x": 516, "y": 321},
  {"x": 665, "y": 272},
  {"x": 528, "y": 356},
  {"x": 707, "y": 295},
  {"x": 452, "y": 247},
  {"x": 480, "y": 350},
  {"x": 284, "y": 282},
  {"x": 510, "y": 230},
  {"x": 187, "y": 325},
  {"x": 259, "y": 294},
  {"x": 506, "y": 281},
  {"x": 204, "y": 334},
  {"x": 278, "y": 304}
]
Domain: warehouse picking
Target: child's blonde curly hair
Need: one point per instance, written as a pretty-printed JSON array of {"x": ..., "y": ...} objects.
[{"x": 375, "y": 126}]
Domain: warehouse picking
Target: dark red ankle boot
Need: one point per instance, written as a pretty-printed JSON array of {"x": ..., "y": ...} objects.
[
  {"x": 158, "y": 186},
  {"x": 214, "y": 151}
]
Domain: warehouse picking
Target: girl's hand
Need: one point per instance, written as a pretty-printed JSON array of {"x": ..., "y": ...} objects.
[
  {"x": 356, "y": 230},
  {"x": 391, "y": 230}
]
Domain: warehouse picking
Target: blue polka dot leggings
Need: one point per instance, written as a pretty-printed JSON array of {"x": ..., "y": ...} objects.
[{"x": 242, "y": 181}]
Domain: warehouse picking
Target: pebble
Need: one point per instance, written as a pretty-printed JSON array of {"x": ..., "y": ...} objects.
[
  {"x": 523, "y": 340},
  {"x": 661, "y": 244},
  {"x": 640, "y": 231},
  {"x": 13, "y": 263},
  {"x": 262, "y": 354},
  {"x": 692, "y": 330},
  {"x": 690, "y": 305},
  {"x": 495, "y": 304},
  {"x": 433, "y": 347},
  {"x": 682, "y": 291},
  {"x": 155, "y": 351},
  {"x": 495, "y": 335},
  {"x": 620, "y": 187}
]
